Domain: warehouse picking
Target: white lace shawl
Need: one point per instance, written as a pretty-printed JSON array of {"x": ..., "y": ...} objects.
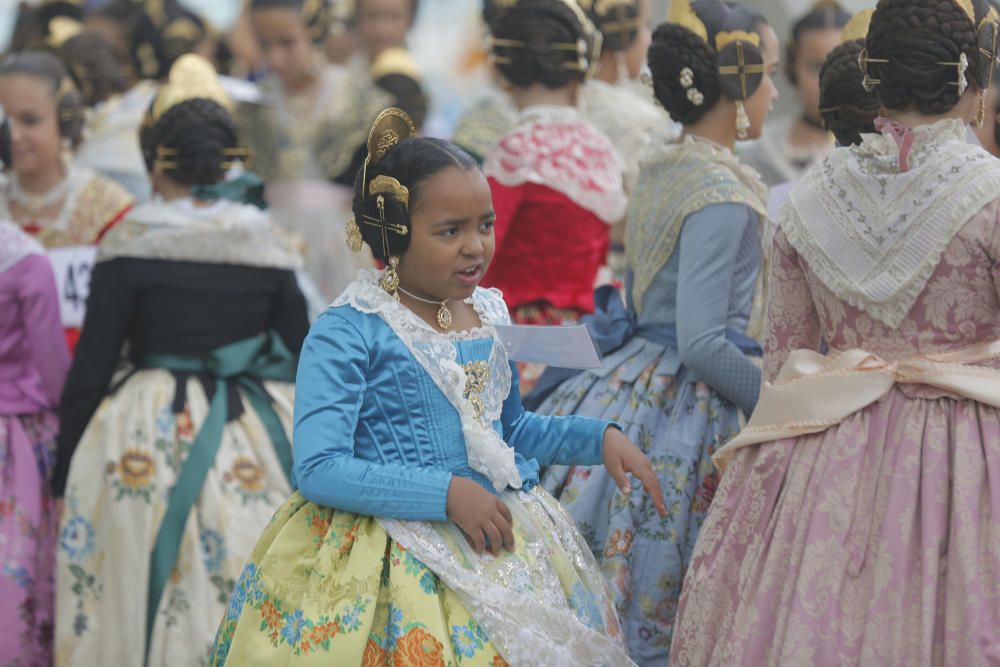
[
  {"x": 224, "y": 233},
  {"x": 15, "y": 245},
  {"x": 556, "y": 147},
  {"x": 872, "y": 234},
  {"x": 435, "y": 352}
]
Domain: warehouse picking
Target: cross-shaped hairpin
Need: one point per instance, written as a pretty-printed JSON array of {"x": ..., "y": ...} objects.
[{"x": 741, "y": 69}]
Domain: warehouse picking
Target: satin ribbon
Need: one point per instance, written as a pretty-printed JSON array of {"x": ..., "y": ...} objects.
[
  {"x": 814, "y": 392},
  {"x": 243, "y": 363},
  {"x": 902, "y": 135}
]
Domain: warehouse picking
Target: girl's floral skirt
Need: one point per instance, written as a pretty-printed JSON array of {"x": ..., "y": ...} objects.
[
  {"x": 120, "y": 481},
  {"x": 326, "y": 587},
  {"x": 27, "y": 539}
]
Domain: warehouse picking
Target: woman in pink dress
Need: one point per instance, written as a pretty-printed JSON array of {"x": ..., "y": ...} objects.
[
  {"x": 858, "y": 518},
  {"x": 33, "y": 364}
]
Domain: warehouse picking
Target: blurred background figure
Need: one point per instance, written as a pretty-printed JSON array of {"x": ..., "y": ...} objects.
[
  {"x": 556, "y": 179},
  {"x": 308, "y": 131},
  {"x": 794, "y": 142},
  {"x": 46, "y": 193},
  {"x": 33, "y": 365},
  {"x": 168, "y": 472}
]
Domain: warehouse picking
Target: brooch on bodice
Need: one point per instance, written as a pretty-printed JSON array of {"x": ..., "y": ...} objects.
[{"x": 477, "y": 374}]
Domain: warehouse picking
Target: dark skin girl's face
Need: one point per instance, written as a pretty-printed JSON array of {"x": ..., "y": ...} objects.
[{"x": 451, "y": 242}]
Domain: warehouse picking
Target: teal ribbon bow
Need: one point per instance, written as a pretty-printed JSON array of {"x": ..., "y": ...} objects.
[{"x": 245, "y": 362}]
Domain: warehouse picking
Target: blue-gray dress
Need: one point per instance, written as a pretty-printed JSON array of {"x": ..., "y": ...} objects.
[{"x": 677, "y": 387}]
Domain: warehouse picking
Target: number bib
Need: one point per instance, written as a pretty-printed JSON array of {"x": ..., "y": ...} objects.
[{"x": 72, "y": 267}]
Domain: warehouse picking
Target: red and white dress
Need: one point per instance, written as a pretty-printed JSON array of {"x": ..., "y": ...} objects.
[{"x": 557, "y": 187}]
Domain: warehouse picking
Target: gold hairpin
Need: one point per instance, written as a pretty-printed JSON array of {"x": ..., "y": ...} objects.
[
  {"x": 867, "y": 82},
  {"x": 961, "y": 82}
]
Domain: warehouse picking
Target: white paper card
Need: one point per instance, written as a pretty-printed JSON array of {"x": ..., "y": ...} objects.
[
  {"x": 72, "y": 267},
  {"x": 566, "y": 346}
]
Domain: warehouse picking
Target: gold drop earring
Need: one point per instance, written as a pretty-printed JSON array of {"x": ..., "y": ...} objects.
[
  {"x": 742, "y": 121},
  {"x": 354, "y": 239},
  {"x": 981, "y": 116},
  {"x": 390, "y": 278}
]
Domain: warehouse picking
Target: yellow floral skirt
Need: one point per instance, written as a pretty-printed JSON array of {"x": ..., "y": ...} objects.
[{"x": 328, "y": 587}]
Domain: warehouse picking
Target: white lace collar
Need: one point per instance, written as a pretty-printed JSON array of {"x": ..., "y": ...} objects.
[
  {"x": 15, "y": 245},
  {"x": 437, "y": 355},
  {"x": 874, "y": 234}
]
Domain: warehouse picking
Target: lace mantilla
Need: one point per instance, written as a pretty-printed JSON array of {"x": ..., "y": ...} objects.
[
  {"x": 521, "y": 603},
  {"x": 557, "y": 148},
  {"x": 872, "y": 234},
  {"x": 675, "y": 181},
  {"x": 487, "y": 452},
  {"x": 15, "y": 245},
  {"x": 223, "y": 233}
]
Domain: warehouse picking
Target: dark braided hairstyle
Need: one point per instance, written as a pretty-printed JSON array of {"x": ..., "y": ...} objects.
[
  {"x": 48, "y": 68},
  {"x": 159, "y": 39},
  {"x": 411, "y": 162},
  {"x": 675, "y": 47},
  {"x": 540, "y": 24},
  {"x": 618, "y": 22},
  {"x": 848, "y": 110},
  {"x": 915, "y": 36},
  {"x": 825, "y": 15},
  {"x": 95, "y": 68},
  {"x": 200, "y": 131}
]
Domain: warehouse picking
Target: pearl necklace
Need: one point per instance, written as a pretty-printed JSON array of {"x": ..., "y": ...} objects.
[
  {"x": 444, "y": 318},
  {"x": 33, "y": 203}
]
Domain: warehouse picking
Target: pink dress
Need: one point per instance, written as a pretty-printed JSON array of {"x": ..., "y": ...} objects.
[
  {"x": 875, "y": 541},
  {"x": 33, "y": 365}
]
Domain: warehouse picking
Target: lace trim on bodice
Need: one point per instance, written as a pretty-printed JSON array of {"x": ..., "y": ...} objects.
[
  {"x": 437, "y": 355},
  {"x": 557, "y": 148}
]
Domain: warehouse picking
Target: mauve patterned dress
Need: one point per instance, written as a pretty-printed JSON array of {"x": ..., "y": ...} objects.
[{"x": 876, "y": 541}]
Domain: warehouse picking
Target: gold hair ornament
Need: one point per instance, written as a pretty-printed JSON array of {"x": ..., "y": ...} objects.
[
  {"x": 622, "y": 22},
  {"x": 587, "y": 48},
  {"x": 741, "y": 68},
  {"x": 191, "y": 77},
  {"x": 681, "y": 13},
  {"x": 724, "y": 39},
  {"x": 63, "y": 29},
  {"x": 857, "y": 27},
  {"x": 390, "y": 128}
]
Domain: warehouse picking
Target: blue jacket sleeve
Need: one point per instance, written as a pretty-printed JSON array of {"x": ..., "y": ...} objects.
[
  {"x": 551, "y": 440},
  {"x": 709, "y": 245},
  {"x": 330, "y": 390}
]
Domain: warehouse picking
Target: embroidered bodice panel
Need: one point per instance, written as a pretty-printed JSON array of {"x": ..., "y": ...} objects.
[
  {"x": 374, "y": 434},
  {"x": 959, "y": 305}
]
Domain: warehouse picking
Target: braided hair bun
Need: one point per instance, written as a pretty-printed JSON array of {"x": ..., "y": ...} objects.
[
  {"x": 617, "y": 21},
  {"x": 554, "y": 43},
  {"x": 685, "y": 67},
  {"x": 673, "y": 49},
  {"x": 916, "y": 37},
  {"x": 201, "y": 132},
  {"x": 848, "y": 109}
]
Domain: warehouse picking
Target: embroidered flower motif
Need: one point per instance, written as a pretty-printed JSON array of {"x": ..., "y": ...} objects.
[
  {"x": 294, "y": 624},
  {"x": 374, "y": 655},
  {"x": 466, "y": 640},
  {"x": 620, "y": 542},
  {"x": 418, "y": 648},
  {"x": 136, "y": 469},
  {"x": 213, "y": 550},
  {"x": 185, "y": 427},
  {"x": 248, "y": 475},
  {"x": 585, "y": 605}
]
